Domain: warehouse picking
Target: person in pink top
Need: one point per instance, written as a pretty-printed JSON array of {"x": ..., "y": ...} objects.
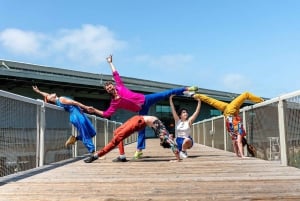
[{"x": 124, "y": 98}]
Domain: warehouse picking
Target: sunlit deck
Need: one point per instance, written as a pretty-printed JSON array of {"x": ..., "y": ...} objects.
[{"x": 208, "y": 174}]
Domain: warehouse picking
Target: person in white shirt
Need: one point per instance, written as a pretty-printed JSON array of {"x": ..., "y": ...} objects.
[{"x": 183, "y": 123}]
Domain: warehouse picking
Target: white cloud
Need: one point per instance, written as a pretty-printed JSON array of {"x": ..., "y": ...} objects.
[
  {"x": 22, "y": 42},
  {"x": 235, "y": 82},
  {"x": 169, "y": 68},
  {"x": 87, "y": 45}
]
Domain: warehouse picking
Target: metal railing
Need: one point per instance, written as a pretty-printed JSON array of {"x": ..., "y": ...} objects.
[
  {"x": 33, "y": 134},
  {"x": 273, "y": 127}
]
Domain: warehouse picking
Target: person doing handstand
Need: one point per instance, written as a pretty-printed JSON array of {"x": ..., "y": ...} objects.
[{"x": 230, "y": 111}]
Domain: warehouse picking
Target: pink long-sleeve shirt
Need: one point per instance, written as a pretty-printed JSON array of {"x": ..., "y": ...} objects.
[{"x": 128, "y": 100}]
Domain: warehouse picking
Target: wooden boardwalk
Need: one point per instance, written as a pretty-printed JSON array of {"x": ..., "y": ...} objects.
[{"x": 208, "y": 174}]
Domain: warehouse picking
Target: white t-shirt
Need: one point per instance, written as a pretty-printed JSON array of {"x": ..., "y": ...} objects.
[{"x": 183, "y": 129}]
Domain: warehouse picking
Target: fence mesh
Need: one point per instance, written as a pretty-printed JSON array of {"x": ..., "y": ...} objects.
[
  {"x": 18, "y": 136},
  {"x": 33, "y": 134},
  {"x": 262, "y": 124}
]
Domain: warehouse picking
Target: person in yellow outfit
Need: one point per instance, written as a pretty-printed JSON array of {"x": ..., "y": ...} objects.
[{"x": 231, "y": 113}]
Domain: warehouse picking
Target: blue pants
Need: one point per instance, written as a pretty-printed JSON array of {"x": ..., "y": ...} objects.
[
  {"x": 85, "y": 129},
  {"x": 179, "y": 141},
  {"x": 150, "y": 99}
]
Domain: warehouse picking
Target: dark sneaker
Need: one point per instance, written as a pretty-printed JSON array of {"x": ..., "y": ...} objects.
[
  {"x": 90, "y": 159},
  {"x": 119, "y": 159}
]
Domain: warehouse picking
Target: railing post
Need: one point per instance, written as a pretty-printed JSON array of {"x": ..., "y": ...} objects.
[
  {"x": 199, "y": 133},
  {"x": 106, "y": 132},
  {"x": 245, "y": 127},
  {"x": 225, "y": 134},
  {"x": 212, "y": 133},
  {"x": 75, "y": 147},
  {"x": 94, "y": 118},
  {"x": 41, "y": 135},
  {"x": 204, "y": 133},
  {"x": 282, "y": 134},
  {"x": 193, "y": 131}
]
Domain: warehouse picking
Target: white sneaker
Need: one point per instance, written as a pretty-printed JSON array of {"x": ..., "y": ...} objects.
[
  {"x": 183, "y": 154},
  {"x": 188, "y": 93}
]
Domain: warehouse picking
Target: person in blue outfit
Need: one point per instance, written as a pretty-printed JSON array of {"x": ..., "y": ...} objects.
[{"x": 84, "y": 126}]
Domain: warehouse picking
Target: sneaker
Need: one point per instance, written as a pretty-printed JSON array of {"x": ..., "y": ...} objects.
[
  {"x": 189, "y": 93},
  {"x": 71, "y": 140},
  {"x": 138, "y": 155},
  {"x": 183, "y": 154},
  {"x": 91, "y": 158},
  {"x": 193, "y": 88},
  {"x": 119, "y": 159}
]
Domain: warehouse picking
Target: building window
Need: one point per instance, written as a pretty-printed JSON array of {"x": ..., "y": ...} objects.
[
  {"x": 215, "y": 113},
  {"x": 163, "y": 108},
  {"x": 163, "y": 112}
]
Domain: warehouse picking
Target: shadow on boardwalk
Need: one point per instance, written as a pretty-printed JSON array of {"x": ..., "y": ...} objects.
[{"x": 208, "y": 174}]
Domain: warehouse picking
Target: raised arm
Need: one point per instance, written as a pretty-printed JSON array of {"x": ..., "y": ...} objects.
[
  {"x": 109, "y": 60},
  {"x": 174, "y": 113},
  {"x": 36, "y": 89},
  {"x": 94, "y": 110},
  {"x": 68, "y": 101},
  {"x": 196, "y": 113},
  {"x": 115, "y": 73}
]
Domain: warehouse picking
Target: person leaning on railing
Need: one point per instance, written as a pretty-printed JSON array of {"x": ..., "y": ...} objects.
[{"x": 77, "y": 118}]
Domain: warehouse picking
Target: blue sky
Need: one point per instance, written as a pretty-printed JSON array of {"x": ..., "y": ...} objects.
[{"x": 225, "y": 45}]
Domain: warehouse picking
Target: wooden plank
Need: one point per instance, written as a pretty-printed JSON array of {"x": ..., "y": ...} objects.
[{"x": 208, "y": 174}]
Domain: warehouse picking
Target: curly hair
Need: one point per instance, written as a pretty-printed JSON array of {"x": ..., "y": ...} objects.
[
  {"x": 164, "y": 144},
  {"x": 159, "y": 128},
  {"x": 181, "y": 110},
  {"x": 107, "y": 83},
  {"x": 250, "y": 148}
]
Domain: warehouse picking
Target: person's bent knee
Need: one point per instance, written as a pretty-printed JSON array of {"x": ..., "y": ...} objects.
[{"x": 187, "y": 143}]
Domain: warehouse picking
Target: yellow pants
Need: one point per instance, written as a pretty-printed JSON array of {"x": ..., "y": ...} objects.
[{"x": 232, "y": 108}]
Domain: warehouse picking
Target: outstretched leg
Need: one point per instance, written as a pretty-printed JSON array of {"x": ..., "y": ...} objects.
[
  {"x": 151, "y": 99},
  {"x": 234, "y": 106},
  {"x": 85, "y": 129},
  {"x": 220, "y": 105},
  {"x": 133, "y": 124}
]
